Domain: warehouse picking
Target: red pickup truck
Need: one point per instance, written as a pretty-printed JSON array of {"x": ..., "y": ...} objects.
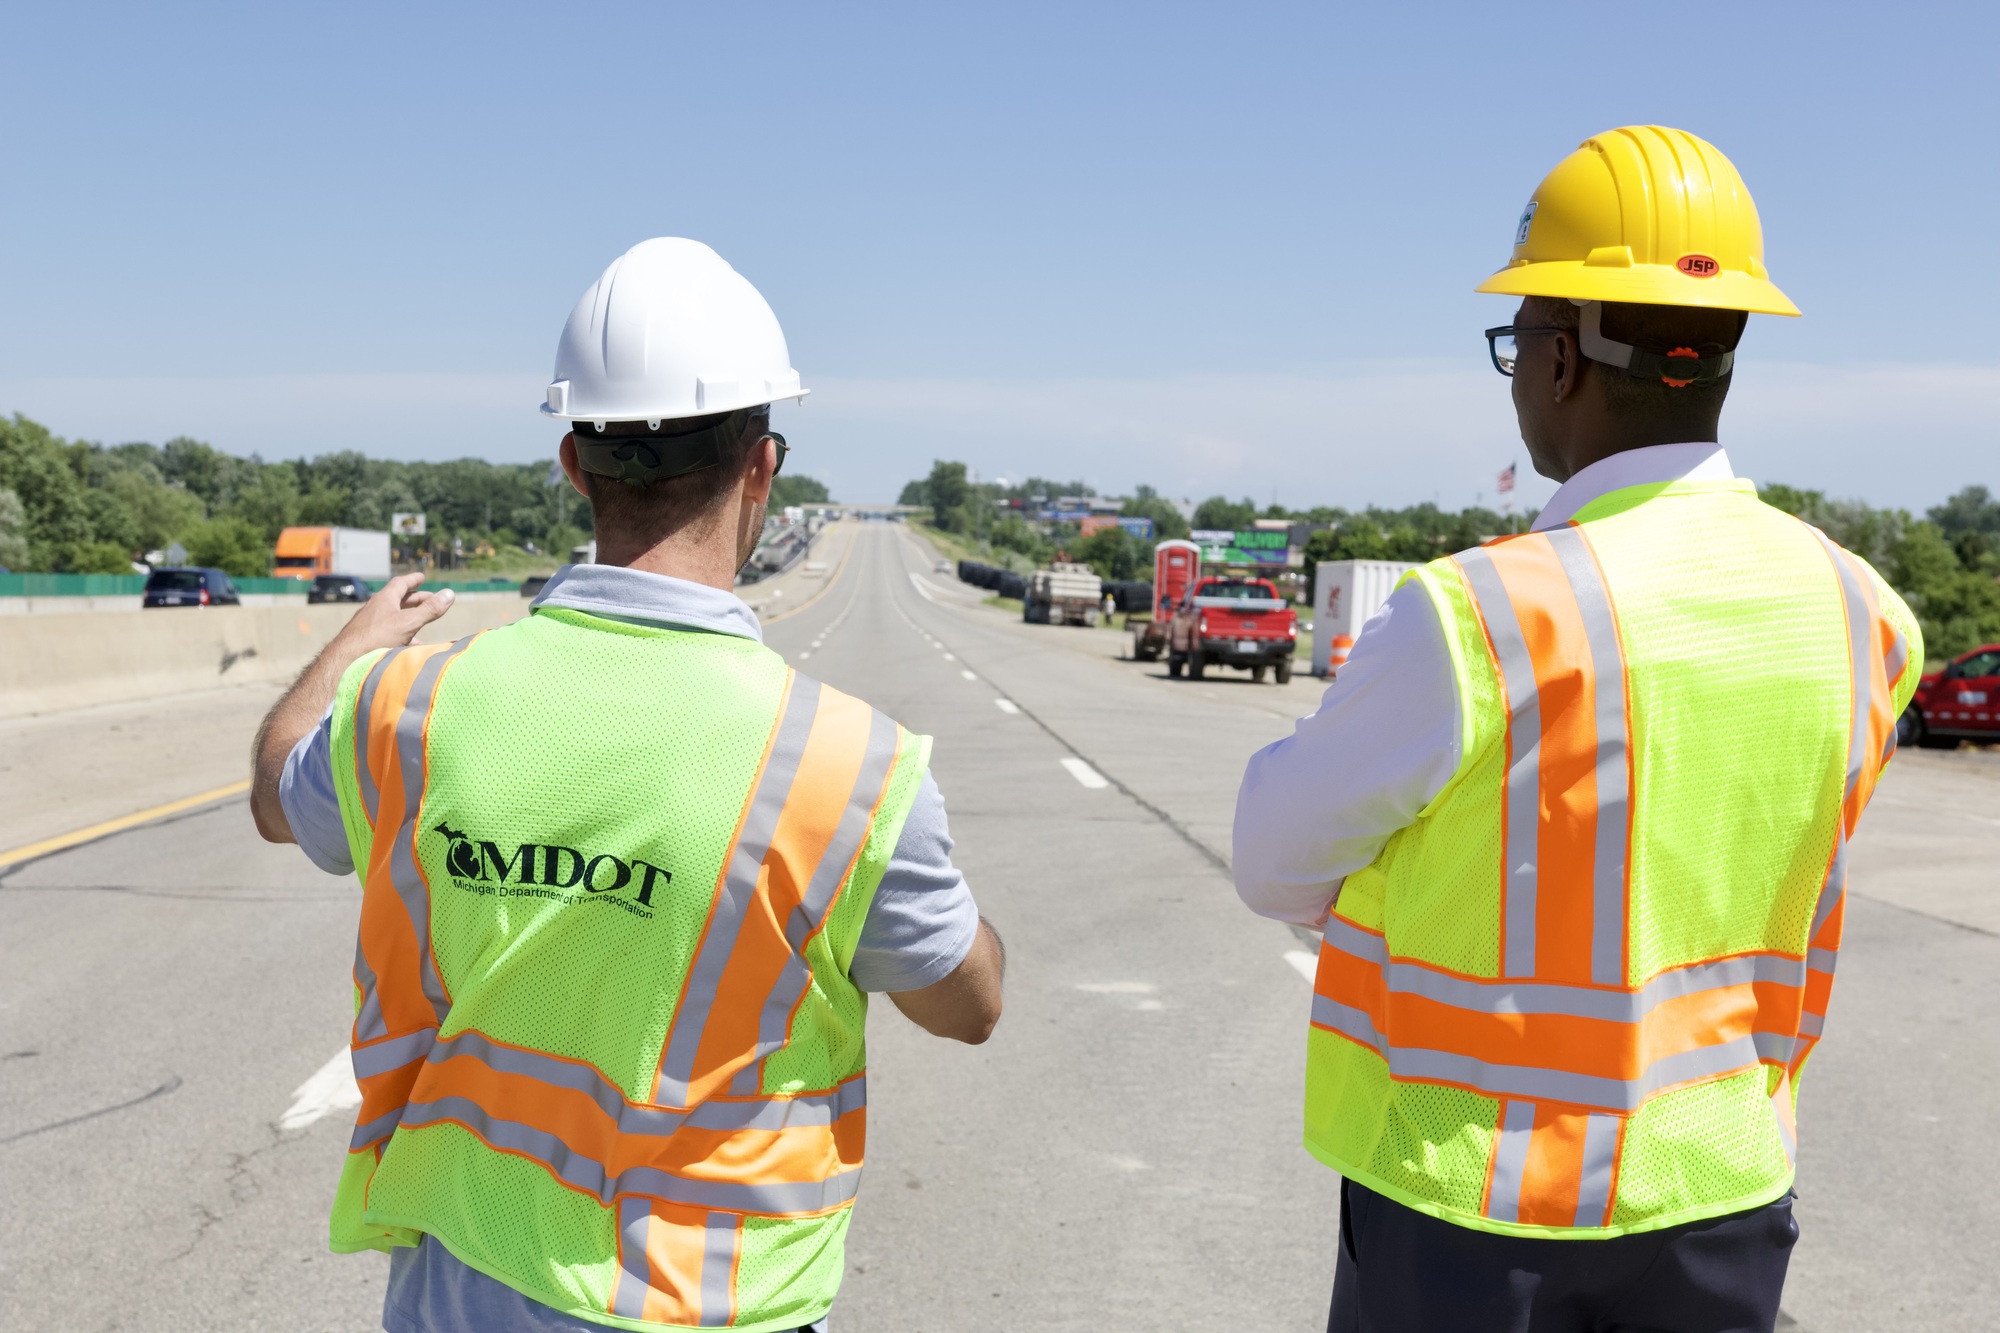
[
  {"x": 1240, "y": 623},
  {"x": 1961, "y": 702}
]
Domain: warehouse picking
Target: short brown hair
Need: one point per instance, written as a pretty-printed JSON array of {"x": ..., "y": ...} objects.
[
  {"x": 1656, "y": 328},
  {"x": 650, "y": 512}
]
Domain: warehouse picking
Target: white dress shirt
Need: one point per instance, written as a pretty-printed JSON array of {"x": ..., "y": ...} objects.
[{"x": 1320, "y": 804}]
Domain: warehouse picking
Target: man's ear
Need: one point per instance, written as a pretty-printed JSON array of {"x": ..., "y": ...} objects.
[
  {"x": 763, "y": 470},
  {"x": 1566, "y": 358},
  {"x": 572, "y": 465}
]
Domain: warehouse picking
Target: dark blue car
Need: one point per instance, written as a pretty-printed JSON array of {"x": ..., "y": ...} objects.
[{"x": 189, "y": 587}]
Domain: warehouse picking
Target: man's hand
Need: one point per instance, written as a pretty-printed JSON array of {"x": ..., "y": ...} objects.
[
  {"x": 965, "y": 1006},
  {"x": 389, "y": 619}
]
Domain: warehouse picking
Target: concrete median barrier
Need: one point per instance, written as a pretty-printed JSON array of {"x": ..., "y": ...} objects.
[{"x": 56, "y": 661}]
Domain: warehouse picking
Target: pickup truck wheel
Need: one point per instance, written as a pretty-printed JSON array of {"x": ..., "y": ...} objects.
[
  {"x": 1282, "y": 672},
  {"x": 1174, "y": 665},
  {"x": 1197, "y": 665},
  {"x": 1918, "y": 734},
  {"x": 1257, "y": 675}
]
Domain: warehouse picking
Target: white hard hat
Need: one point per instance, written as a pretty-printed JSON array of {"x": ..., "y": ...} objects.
[{"x": 669, "y": 331}]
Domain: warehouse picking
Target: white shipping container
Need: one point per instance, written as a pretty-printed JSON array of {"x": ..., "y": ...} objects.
[
  {"x": 361, "y": 552},
  {"x": 1345, "y": 594}
]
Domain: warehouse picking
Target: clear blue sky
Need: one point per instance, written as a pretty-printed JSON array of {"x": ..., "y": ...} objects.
[{"x": 1214, "y": 248}]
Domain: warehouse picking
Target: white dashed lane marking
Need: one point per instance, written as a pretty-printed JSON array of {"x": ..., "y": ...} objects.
[
  {"x": 1302, "y": 962},
  {"x": 1084, "y": 773},
  {"x": 1007, "y": 706},
  {"x": 331, "y": 1088},
  {"x": 970, "y": 675}
]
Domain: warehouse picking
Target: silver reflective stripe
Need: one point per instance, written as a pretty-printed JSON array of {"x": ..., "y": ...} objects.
[
  {"x": 809, "y": 1110},
  {"x": 635, "y": 1275},
  {"x": 376, "y": 1130},
  {"x": 1811, "y": 1024},
  {"x": 718, "y": 1270},
  {"x": 1524, "y": 772},
  {"x": 364, "y": 712},
  {"x": 1555, "y": 1085},
  {"x": 403, "y": 872},
  {"x": 1614, "y": 783},
  {"x": 775, "y": 1019},
  {"x": 382, "y": 1057},
  {"x": 590, "y": 1176},
  {"x": 738, "y": 889},
  {"x": 1510, "y": 1160},
  {"x": 1600, "y": 1156},
  {"x": 1899, "y": 657},
  {"x": 1536, "y": 997},
  {"x": 1822, "y": 960},
  {"x": 368, "y": 1021}
]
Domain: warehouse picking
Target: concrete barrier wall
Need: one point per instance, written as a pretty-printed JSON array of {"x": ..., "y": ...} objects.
[{"x": 55, "y": 661}]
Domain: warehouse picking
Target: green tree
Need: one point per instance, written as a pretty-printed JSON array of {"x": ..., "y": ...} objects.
[
  {"x": 948, "y": 494},
  {"x": 1149, "y": 503},
  {"x": 1972, "y": 510},
  {"x": 13, "y": 530},
  {"x": 231, "y": 544},
  {"x": 915, "y": 493},
  {"x": 787, "y": 490},
  {"x": 35, "y": 466},
  {"x": 1115, "y": 554},
  {"x": 1220, "y": 514},
  {"x": 97, "y": 557}
]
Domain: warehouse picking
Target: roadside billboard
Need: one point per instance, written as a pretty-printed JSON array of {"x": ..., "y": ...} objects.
[{"x": 1242, "y": 547}]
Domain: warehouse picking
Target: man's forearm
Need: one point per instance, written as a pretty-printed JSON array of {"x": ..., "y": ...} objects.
[{"x": 389, "y": 619}]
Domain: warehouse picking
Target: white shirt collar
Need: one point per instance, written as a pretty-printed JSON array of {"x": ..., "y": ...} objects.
[
  {"x": 654, "y": 599},
  {"x": 1648, "y": 466}
]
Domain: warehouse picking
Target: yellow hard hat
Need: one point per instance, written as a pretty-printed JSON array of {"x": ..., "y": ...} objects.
[{"x": 1643, "y": 214}]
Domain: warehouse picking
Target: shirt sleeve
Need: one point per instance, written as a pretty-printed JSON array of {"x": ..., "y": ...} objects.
[
  {"x": 1321, "y": 803},
  {"x": 311, "y": 805},
  {"x": 922, "y": 921}
]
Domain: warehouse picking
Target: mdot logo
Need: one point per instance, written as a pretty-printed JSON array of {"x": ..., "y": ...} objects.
[{"x": 550, "y": 871}]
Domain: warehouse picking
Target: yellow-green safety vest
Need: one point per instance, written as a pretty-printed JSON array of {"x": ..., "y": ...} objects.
[
  {"x": 613, "y": 876},
  {"x": 1574, "y": 997}
]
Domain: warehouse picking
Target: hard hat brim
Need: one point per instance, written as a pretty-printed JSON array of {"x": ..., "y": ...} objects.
[
  {"x": 1639, "y": 284},
  {"x": 676, "y": 414}
]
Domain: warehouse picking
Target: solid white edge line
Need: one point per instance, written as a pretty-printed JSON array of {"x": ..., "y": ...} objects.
[
  {"x": 1303, "y": 963},
  {"x": 331, "y": 1088},
  {"x": 1084, "y": 773}
]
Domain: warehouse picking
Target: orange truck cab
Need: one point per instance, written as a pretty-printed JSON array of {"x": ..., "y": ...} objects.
[{"x": 304, "y": 553}]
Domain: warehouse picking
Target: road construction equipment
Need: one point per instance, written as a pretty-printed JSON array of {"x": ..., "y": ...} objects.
[
  {"x": 669, "y": 331},
  {"x": 1643, "y": 214}
]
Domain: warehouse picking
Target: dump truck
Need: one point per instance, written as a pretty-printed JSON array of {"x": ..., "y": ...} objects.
[
  {"x": 303, "y": 553},
  {"x": 1063, "y": 594}
]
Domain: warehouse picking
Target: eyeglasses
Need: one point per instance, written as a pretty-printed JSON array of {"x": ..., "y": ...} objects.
[
  {"x": 1505, "y": 351},
  {"x": 783, "y": 449}
]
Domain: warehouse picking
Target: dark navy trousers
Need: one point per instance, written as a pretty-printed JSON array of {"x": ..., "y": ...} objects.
[{"x": 1402, "y": 1271}]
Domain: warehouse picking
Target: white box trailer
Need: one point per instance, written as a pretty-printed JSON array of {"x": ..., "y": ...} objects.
[
  {"x": 1345, "y": 594},
  {"x": 362, "y": 552}
]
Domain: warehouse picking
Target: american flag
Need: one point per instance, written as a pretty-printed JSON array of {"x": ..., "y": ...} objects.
[{"x": 1507, "y": 479}]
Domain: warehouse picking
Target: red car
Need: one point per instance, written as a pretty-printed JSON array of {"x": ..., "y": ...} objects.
[{"x": 1961, "y": 702}]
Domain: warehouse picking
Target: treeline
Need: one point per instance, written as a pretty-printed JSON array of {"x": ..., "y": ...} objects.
[
  {"x": 85, "y": 508},
  {"x": 1945, "y": 564}
]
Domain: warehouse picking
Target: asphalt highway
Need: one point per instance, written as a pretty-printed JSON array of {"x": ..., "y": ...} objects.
[{"x": 1122, "y": 1155}]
